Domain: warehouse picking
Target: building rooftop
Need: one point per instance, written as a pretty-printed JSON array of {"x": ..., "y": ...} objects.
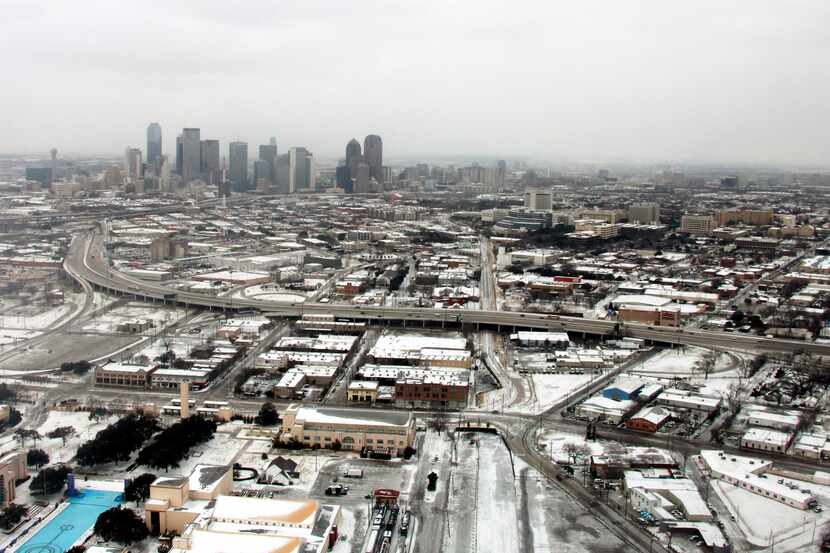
[{"x": 335, "y": 416}]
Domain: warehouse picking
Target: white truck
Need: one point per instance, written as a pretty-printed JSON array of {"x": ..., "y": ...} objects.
[{"x": 353, "y": 473}]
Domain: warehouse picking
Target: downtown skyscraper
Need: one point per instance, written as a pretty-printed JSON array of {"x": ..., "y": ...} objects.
[
  {"x": 191, "y": 154},
  {"x": 153, "y": 144},
  {"x": 300, "y": 170},
  {"x": 238, "y": 166},
  {"x": 211, "y": 161},
  {"x": 373, "y": 152}
]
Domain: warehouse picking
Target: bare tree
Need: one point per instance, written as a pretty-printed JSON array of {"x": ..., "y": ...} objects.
[{"x": 575, "y": 451}]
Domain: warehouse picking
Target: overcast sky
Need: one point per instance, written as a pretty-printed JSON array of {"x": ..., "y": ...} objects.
[{"x": 719, "y": 80}]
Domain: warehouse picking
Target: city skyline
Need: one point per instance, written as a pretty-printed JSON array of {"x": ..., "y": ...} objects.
[{"x": 550, "y": 81}]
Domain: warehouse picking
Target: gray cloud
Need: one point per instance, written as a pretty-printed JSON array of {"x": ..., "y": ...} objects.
[{"x": 710, "y": 80}]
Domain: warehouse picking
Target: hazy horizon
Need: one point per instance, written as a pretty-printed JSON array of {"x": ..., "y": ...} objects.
[{"x": 719, "y": 82}]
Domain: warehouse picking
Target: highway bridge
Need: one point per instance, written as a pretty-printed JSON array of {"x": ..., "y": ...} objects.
[{"x": 86, "y": 263}]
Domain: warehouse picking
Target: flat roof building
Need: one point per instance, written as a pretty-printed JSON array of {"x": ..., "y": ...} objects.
[{"x": 353, "y": 429}]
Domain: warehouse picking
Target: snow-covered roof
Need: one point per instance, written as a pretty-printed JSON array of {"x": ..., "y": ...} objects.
[
  {"x": 655, "y": 415},
  {"x": 351, "y": 417},
  {"x": 205, "y": 541},
  {"x": 231, "y": 508}
]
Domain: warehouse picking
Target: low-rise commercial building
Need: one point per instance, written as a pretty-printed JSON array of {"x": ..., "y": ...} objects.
[
  {"x": 205, "y": 519},
  {"x": 776, "y": 421},
  {"x": 385, "y": 431},
  {"x": 132, "y": 375},
  {"x": 649, "y": 419},
  {"x": 749, "y": 474},
  {"x": 605, "y": 410},
  {"x": 363, "y": 391},
  {"x": 766, "y": 440},
  {"x": 683, "y": 399}
]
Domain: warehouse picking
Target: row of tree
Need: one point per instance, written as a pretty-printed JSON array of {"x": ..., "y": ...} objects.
[
  {"x": 173, "y": 444},
  {"x": 117, "y": 441},
  {"x": 78, "y": 367}
]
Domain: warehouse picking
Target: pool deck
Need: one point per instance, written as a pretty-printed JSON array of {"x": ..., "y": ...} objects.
[{"x": 41, "y": 537}]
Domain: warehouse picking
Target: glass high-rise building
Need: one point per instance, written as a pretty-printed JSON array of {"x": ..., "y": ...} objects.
[
  {"x": 300, "y": 170},
  {"x": 211, "y": 166},
  {"x": 191, "y": 154},
  {"x": 373, "y": 152},
  {"x": 268, "y": 154},
  {"x": 153, "y": 144},
  {"x": 238, "y": 166}
]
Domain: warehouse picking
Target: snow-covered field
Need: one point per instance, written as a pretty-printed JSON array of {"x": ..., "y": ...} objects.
[
  {"x": 39, "y": 321},
  {"x": 552, "y": 388},
  {"x": 85, "y": 429},
  {"x": 680, "y": 360},
  {"x": 221, "y": 450},
  {"x": 107, "y": 322},
  {"x": 555, "y": 443}
]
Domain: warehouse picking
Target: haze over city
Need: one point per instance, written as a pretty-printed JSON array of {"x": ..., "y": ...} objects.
[
  {"x": 710, "y": 81},
  {"x": 414, "y": 277}
]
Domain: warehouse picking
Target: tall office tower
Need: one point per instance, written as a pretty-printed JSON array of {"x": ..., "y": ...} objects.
[
  {"x": 191, "y": 154},
  {"x": 179, "y": 155},
  {"x": 153, "y": 144},
  {"x": 343, "y": 177},
  {"x": 262, "y": 176},
  {"x": 282, "y": 177},
  {"x": 373, "y": 151},
  {"x": 238, "y": 169},
  {"x": 132, "y": 163},
  {"x": 164, "y": 174},
  {"x": 352, "y": 152},
  {"x": 538, "y": 200},
  {"x": 300, "y": 170},
  {"x": 361, "y": 177},
  {"x": 387, "y": 174},
  {"x": 268, "y": 154},
  {"x": 211, "y": 161}
]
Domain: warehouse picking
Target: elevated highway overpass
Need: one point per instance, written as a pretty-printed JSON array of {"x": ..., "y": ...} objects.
[{"x": 85, "y": 263}]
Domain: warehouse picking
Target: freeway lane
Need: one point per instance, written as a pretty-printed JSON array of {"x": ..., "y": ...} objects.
[{"x": 80, "y": 264}]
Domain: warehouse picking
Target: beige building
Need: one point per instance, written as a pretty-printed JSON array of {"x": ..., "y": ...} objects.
[
  {"x": 176, "y": 502},
  {"x": 390, "y": 431},
  {"x": 697, "y": 224},
  {"x": 259, "y": 525},
  {"x": 365, "y": 391},
  {"x": 745, "y": 216},
  {"x": 610, "y": 216},
  {"x": 206, "y": 519},
  {"x": 12, "y": 470}
]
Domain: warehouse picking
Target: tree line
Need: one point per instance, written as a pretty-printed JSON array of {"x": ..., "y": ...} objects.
[
  {"x": 117, "y": 441},
  {"x": 173, "y": 444}
]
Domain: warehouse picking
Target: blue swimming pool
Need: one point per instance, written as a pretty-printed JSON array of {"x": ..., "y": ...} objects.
[{"x": 61, "y": 532}]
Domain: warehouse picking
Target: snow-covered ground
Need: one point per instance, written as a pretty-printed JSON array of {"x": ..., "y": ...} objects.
[
  {"x": 221, "y": 450},
  {"x": 680, "y": 360},
  {"x": 39, "y": 321},
  {"x": 85, "y": 429},
  {"x": 496, "y": 502},
  {"x": 107, "y": 322},
  {"x": 552, "y": 388},
  {"x": 766, "y": 521},
  {"x": 555, "y": 444}
]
